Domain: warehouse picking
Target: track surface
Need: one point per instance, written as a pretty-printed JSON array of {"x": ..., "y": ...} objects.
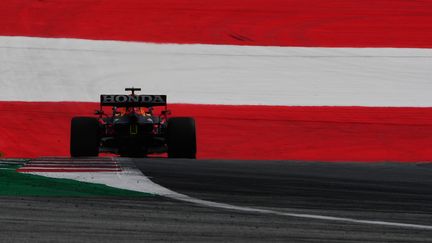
[{"x": 385, "y": 191}]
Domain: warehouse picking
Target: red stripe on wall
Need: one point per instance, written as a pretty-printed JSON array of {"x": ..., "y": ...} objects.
[
  {"x": 329, "y": 23},
  {"x": 246, "y": 132}
]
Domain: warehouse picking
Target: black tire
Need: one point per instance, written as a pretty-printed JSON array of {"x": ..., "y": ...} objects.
[
  {"x": 181, "y": 138},
  {"x": 84, "y": 139}
]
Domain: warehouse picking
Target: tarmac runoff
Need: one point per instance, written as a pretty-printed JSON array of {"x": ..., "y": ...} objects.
[{"x": 130, "y": 178}]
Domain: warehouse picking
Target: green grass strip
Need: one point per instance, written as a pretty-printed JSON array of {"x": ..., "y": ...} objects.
[{"x": 13, "y": 183}]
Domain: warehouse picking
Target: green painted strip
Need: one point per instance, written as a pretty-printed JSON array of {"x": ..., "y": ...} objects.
[{"x": 13, "y": 183}]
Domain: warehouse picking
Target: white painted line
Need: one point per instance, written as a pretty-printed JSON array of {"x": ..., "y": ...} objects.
[
  {"x": 133, "y": 179},
  {"x": 185, "y": 198}
]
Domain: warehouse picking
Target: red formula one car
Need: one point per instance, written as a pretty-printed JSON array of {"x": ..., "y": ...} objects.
[{"x": 132, "y": 129}]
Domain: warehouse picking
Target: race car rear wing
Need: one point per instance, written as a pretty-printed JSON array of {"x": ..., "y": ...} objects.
[{"x": 133, "y": 100}]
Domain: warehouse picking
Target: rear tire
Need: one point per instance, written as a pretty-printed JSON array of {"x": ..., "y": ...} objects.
[
  {"x": 84, "y": 137},
  {"x": 181, "y": 138}
]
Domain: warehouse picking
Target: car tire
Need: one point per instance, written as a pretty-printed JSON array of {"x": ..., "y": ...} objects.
[
  {"x": 181, "y": 138},
  {"x": 84, "y": 140}
]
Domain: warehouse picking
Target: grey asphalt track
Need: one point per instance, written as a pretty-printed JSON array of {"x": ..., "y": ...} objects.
[{"x": 394, "y": 192}]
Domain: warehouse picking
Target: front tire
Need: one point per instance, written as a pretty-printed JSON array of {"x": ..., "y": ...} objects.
[
  {"x": 181, "y": 138},
  {"x": 84, "y": 139}
]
